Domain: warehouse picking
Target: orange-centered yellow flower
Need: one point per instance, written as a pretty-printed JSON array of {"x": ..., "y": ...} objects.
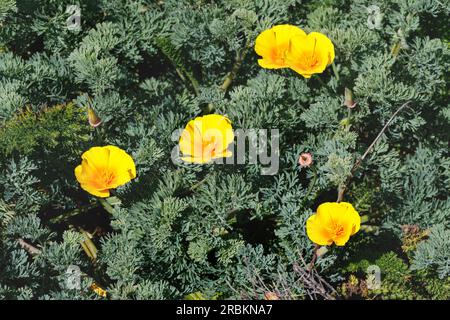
[
  {"x": 104, "y": 168},
  {"x": 309, "y": 54},
  {"x": 287, "y": 46},
  {"x": 333, "y": 222},
  {"x": 206, "y": 138},
  {"x": 272, "y": 45}
]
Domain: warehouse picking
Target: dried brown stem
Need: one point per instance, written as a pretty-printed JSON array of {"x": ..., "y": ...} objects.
[
  {"x": 369, "y": 149},
  {"x": 314, "y": 258},
  {"x": 28, "y": 247}
]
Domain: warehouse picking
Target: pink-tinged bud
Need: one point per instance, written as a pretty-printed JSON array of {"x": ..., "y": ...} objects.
[
  {"x": 348, "y": 102},
  {"x": 94, "y": 120},
  {"x": 305, "y": 159},
  {"x": 271, "y": 296}
]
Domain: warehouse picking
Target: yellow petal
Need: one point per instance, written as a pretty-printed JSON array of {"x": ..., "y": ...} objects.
[
  {"x": 338, "y": 220},
  {"x": 311, "y": 54},
  {"x": 272, "y": 44},
  {"x": 196, "y": 160},
  {"x": 224, "y": 154},
  {"x": 353, "y": 217},
  {"x": 104, "y": 168},
  {"x": 325, "y": 45},
  {"x": 204, "y": 137},
  {"x": 189, "y": 137},
  {"x": 324, "y": 213},
  {"x": 316, "y": 232},
  {"x": 78, "y": 173},
  {"x": 342, "y": 240},
  {"x": 97, "y": 157},
  {"x": 121, "y": 161},
  {"x": 267, "y": 64},
  {"x": 98, "y": 193}
]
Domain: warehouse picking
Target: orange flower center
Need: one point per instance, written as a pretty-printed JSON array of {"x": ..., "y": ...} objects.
[
  {"x": 309, "y": 60},
  {"x": 106, "y": 177},
  {"x": 209, "y": 147},
  {"x": 337, "y": 230},
  {"x": 277, "y": 54}
]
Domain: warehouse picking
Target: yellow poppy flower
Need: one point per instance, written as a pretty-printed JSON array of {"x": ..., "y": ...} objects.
[
  {"x": 104, "y": 168},
  {"x": 310, "y": 54},
  {"x": 206, "y": 138},
  {"x": 272, "y": 45},
  {"x": 333, "y": 222}
]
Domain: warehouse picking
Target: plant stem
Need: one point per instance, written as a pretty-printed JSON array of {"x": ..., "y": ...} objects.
[
  {"x": 349, "y": 116},
  {"x": 235, "y": 69},
  {"x": 198, "y": 184},
  {"x": 358, "y": 162},
  {"x": 108, "y": 207},
  {"x": 335, "y": 71},
  {"x": 67, "y": 215},
  {"x": 232, "y": 74},
  {"x": 28, "y": 247},
  {"x": 314, "y": 258}
]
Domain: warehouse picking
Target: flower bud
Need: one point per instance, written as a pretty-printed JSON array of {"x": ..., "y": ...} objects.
[
  {"x": 348, "y": 102},
  {"x": 305, "y": 159},
  {"x": 94, "y": 120}
]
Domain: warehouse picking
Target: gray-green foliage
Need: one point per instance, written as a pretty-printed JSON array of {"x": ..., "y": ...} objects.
[
  {"x": 146, "y": 68},
  {"x": 434, "y": 252}
]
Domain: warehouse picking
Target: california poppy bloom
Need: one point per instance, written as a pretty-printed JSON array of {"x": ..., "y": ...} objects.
[
  {"x": 206, "y": 138},
  {"x": 309, "y": 54},
  {"x": 104, "y": 168},
  {"x": 333, "y": 222},
  {"x": 272, "y": 45}
]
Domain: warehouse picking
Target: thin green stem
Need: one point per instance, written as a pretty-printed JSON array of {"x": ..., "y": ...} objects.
[
  {"x": 335, "y": 71},
  {"x": 349, "y": 117},
  {"x": 108, "y": 207},
  {"x": 67, "y": 215},
  {"x": 231, "y": 75}
]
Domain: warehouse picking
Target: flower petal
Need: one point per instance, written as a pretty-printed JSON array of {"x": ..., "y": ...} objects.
[
  {"x": 206, "y": 137},
  {"x": 98, "y": 193},
  {"x": 273, "y": 43},
  {"x": 316, "y": 232},
  {"x": 196, "y": 160},
  {"x": 267, "y": 64},
  {"x": 97, "y": 157},
  {"x": 224, "y": 154},
  {"x": 309, "y": 55},
  {"x": 121, "y": 162},
  {"x": 342, "y": 240},
  {"x": 325, "y": 44},
  {"x": 104, "y": 168}
]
